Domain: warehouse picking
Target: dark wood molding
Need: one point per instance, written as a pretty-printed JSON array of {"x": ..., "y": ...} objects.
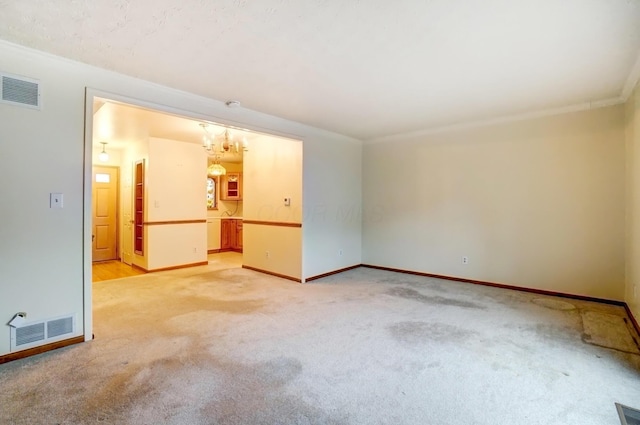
[
  {"x": 213, "y": 251},
  {"x": 320, "y": 276},
  {"x": 502, "y": 285},
  {"x": 634, "y": 322},
  {"x": 181, "y": 266},
  {"x": 295, "y": 279},
  {"x": 41, "y": 349},
  {"x": 135, "y": 266},
  {"x": 272, "y": 223},
  {"x": 163, "y": 223},
  {"x": 228, "y": 250}
]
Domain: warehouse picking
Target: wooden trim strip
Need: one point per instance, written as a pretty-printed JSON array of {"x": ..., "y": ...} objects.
[
  {"x": 634, "y": 322},
  {"x": 163, "y": 223},
  {"x": 272, "y": 223},
  {"x": 135, "y": 266},
  {"x": 181, "y": 266},
  {"x": 320, "y": 276},
  {"x": 213, "y": 251},
  {"x": 41, "y": 349},
  {"x": 295, "y": 279},
  {"x": 502, "y": 285}
]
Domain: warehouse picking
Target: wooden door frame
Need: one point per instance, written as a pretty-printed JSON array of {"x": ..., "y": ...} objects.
[{"x": 117, "y": 168}]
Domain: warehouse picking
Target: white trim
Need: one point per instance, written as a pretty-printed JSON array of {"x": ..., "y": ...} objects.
[
  {"x": 498, "y": 120},
  {"x": 87, "y": 276},
  {"x": 632, "y": 79}
]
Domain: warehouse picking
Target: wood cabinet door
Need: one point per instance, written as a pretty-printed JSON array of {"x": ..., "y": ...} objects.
[
  {"x": 225, "y": 234},
  {"x": 239, "y": 235}
]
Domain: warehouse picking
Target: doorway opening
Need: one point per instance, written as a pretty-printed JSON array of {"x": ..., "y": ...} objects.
[
  {"x": 166, "y": 224},
  {"x": 131, "y": 135}
]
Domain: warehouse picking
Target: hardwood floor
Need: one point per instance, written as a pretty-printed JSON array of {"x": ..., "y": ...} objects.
[{"x": 108, "y": 270}]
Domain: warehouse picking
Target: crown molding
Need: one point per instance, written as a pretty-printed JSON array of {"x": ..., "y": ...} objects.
[
  {"x": 498, "y": 120},
  {"x": 632, "y": 79}
]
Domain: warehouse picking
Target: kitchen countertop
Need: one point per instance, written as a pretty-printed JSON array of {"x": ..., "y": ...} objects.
[{"x": 224, "y": 217}]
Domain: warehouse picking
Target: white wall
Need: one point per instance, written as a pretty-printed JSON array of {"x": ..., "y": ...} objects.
[
  {"x": 632, "y": 127},
  {"x": 536, "y": 203},
  {"x": 332, "y": 209},
  {"x": 41, "y": 249}
]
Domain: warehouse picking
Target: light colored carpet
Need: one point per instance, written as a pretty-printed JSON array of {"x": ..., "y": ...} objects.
[{"x": 232, "y": 346}]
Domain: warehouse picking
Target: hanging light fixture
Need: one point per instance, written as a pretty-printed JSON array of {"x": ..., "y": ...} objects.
[
  {"x": 216, "y": 169},
  {"x": 103, "y": 156},
  {"x": 226, "y": 145}
]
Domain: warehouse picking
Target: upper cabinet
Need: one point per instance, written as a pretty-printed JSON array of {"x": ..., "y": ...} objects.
[{"x": 231, "y": 187}]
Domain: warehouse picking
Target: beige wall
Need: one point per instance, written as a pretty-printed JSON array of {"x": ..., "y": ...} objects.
[
  {"x": 43, "y": 268},
  {"x": 632, "y": 127},
  {"x": 176, "y": 188},
  {"x": 536, "y": 203},
  {"x": 272, "y": 172}
]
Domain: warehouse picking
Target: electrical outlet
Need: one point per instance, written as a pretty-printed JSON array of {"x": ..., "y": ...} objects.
[
  {"x": 340, "y": 252},
  {"x": 266, "y": 254},
  {"x": 465, "y": 260},
  {"x": 195, "y": 250}
]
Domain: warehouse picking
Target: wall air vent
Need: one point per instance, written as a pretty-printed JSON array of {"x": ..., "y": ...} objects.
[
  {"x": 20, "y": 91},
  {"x": 43, "y": 332}
]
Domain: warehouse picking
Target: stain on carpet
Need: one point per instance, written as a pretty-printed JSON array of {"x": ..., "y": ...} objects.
[
  {"x": 553, "y": 304},
  {"x": 413, "y": 333},
  {"x": 412, "y": 294},
  {"x": 609, "y": 331}
]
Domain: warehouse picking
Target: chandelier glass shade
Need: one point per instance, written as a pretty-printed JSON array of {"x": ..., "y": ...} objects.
[{"x": 216, "y": 169}]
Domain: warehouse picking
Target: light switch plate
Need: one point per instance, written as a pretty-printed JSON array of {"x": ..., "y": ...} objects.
[
  {"x": 56, "y": 200},
  {"x": 287, "y": 202}
]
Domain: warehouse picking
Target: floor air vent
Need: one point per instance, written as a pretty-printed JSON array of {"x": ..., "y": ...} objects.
[
  {"x": 40, "y": 333},
  {"x": 20, "y": 91},
  {"x": 628, "y": 416}
]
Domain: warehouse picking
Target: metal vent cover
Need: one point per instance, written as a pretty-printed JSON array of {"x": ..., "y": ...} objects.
[
  {"x": 30, "y": 333},
  {"x": 628, "y": 415},
  {"x": 59, "y": 327},
  {"x": 20, "y": 91},
  {"x": 43, "y": 332}
]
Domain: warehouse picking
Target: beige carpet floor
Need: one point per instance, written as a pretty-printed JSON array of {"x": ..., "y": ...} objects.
[{"x": 231, "y": 346}]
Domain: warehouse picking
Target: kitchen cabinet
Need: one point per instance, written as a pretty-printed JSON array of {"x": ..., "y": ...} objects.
[
  {"x": 213, "y": 235},
  {"x": 231, "y": 234},
  {"x": 231, "y": 187}
]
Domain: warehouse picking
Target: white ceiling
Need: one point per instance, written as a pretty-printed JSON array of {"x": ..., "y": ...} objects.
[
  {"x": 367, "y": 69},
  {"x": 119, "y": 124}
]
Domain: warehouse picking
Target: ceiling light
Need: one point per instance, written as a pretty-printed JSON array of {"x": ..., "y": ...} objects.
[
  {"x": 232, "y": 103},
  {"x": 103, "y": 156},
  {"x": 216, "y": 169},
  {"x": 225, "y": 142}
]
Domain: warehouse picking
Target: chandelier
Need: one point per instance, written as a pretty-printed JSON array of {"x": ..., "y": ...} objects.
[{"x": 217, "y": 145}]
